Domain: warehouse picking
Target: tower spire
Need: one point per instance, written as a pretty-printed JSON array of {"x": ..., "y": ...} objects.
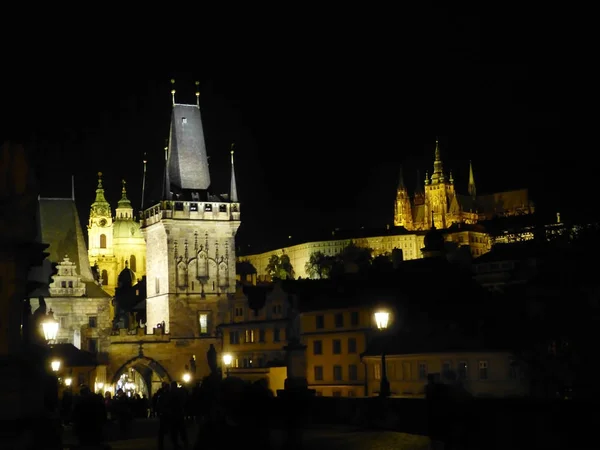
[
  {"x": 438, "y": 167},
  {"x": 100, "y": 190},
  {"x": 401, "y": 185},
  {"x": 143, "y": 183},
  {"x": 198, "y": 94},
  {"x": 472, "y": 189},
  {"x": 173, "y": 90},
  {"x": 233, "y": 188}
]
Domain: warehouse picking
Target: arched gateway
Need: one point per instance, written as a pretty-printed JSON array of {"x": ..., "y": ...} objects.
[{"x": 140, "y": 374}]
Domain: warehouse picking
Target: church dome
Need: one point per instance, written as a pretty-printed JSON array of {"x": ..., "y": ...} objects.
[
  {"x": 126, "y": 229},
  {"x": 126, "y": 278}
]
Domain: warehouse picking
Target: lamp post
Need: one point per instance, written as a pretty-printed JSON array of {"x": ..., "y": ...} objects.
[
  {"x": 186, "y": 377},
  {"x": 382, "y": 319},
  {"x": 50, "y": 326},
  {"x": 227, "y": 358},
  {"x": 55, "y": 364}
]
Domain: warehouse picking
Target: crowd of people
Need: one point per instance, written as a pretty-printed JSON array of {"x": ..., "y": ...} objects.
[{"x": 220, "y": 408}]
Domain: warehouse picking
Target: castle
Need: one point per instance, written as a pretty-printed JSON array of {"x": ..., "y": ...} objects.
[
  {"x": 434, "y": 203},
  {"x": 184, "y": 246},
  {"x": 439, "y": 203}
]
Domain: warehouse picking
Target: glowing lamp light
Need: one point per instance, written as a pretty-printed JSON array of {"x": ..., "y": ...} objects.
[
  {"x": 50, "y": 326},
  {"x": 99, "y": 385},
  {"x": 68, "y": 381},
  {"x": 227, "y": 358},
  {"x": 187, "y": 377},
  {"x": 381, "y": 319},
  {"x": 55, "y": 365}
]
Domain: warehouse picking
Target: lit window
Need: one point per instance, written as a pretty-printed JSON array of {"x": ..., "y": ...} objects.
[
  {"x": 184, "y": 120},
  {"x": 203, "y": 321}
]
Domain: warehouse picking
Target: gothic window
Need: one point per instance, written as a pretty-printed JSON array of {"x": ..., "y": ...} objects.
[
  {"x": 181, "y": 275},
  {"x": 70, "y": 284},
  {"x": 222, "y": 208},
  {"x": 63, "y": 284},
  {"x": 104, "y": 278},
  {"x": 202, "y": 265},
  {"x": 102, "y": 241},
  {"x": 223, "y": 274},
  {"x": 132, "y": 263}
]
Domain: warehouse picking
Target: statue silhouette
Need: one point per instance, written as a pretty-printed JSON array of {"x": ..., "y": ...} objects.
[{"x": 211, "y": 356}]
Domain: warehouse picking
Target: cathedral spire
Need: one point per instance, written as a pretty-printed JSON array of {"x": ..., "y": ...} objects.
[
  {"x": 401, "y": 185},
  {"x": 173, "y": 90},
  {"x": 233, "y": 196},
  {"x": 438, "y": 167},
  {"x": 472, "y": 189}
]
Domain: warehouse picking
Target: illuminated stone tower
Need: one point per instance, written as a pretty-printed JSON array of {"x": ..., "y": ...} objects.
[
  {"x": 403, "y": 216},
  {"x": 100, "y": 239},
  {"x": 439, "y": 194},
  {"x": 128, "y": 241},
  {"x": 190, "y": 235}
]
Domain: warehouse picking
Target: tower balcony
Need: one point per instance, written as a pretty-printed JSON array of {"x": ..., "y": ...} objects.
[{"x": 174, "y": 209}]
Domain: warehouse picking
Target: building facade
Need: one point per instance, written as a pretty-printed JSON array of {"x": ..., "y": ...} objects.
[{"x": 480, "y": 373}]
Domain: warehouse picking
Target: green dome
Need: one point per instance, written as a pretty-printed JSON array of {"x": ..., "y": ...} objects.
[{"x": 126, "y": 228}]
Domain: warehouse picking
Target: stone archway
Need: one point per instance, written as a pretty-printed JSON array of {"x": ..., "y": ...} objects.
[{"x": 151, "y": 372}]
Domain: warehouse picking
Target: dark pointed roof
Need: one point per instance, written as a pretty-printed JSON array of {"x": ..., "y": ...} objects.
[
  {"x": 187, "y": 158},
  {"x": 62, "y": 230}
]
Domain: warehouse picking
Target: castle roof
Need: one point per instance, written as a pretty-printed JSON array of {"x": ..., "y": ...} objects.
[
  {"x": 62, "y": 230},
  {"x": 187, "y": 159}
]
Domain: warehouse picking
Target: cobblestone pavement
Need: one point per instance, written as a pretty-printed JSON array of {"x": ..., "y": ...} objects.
[
  {"x": 314, "y": 439},
  {"x": 319, "y": 440}
]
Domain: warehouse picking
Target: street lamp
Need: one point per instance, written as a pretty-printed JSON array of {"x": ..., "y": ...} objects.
[
  {"x": 381, "y": 319},
  {"x": 55, "y": 364},
  {"x": 50, "y": 326},
  {"x": 187, "y": 377},
  {"x": 227, "y": 358},
  {"x": 68, "y": 382}
]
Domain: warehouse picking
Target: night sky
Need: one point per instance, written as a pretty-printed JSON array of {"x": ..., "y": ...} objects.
[{"x": 323, "y": 113}]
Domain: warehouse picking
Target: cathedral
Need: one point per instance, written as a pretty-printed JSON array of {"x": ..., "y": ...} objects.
[
  {"x": 434, "y": 203},
  {"x": 438, "y": 203}
]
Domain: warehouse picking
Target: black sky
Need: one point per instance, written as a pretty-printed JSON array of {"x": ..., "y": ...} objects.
[{"x": 323, "y": 112}]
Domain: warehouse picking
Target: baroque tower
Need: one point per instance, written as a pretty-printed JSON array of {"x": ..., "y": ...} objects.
[
  {"x": 100, "y": 238},
  {"x": 190, "y": 237},
  {"x": 128, "y": 241}
]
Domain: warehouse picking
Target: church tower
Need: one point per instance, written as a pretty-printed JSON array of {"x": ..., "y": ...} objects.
[
  {"x": 439, "y": 194},
  {"x": 190, "y": 237},
  {"x": 128, "y": 241},
  {"x": 403, "y": 216},
  {"x": 100, "y": 238}
]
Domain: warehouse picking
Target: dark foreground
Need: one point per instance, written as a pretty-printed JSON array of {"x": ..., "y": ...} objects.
[{"x": 143, "y": 436}]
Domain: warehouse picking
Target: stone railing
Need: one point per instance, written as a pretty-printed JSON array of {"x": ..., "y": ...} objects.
[
  {"x": 126, "y": 335},
  {"x": 174, "y": 209}
]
